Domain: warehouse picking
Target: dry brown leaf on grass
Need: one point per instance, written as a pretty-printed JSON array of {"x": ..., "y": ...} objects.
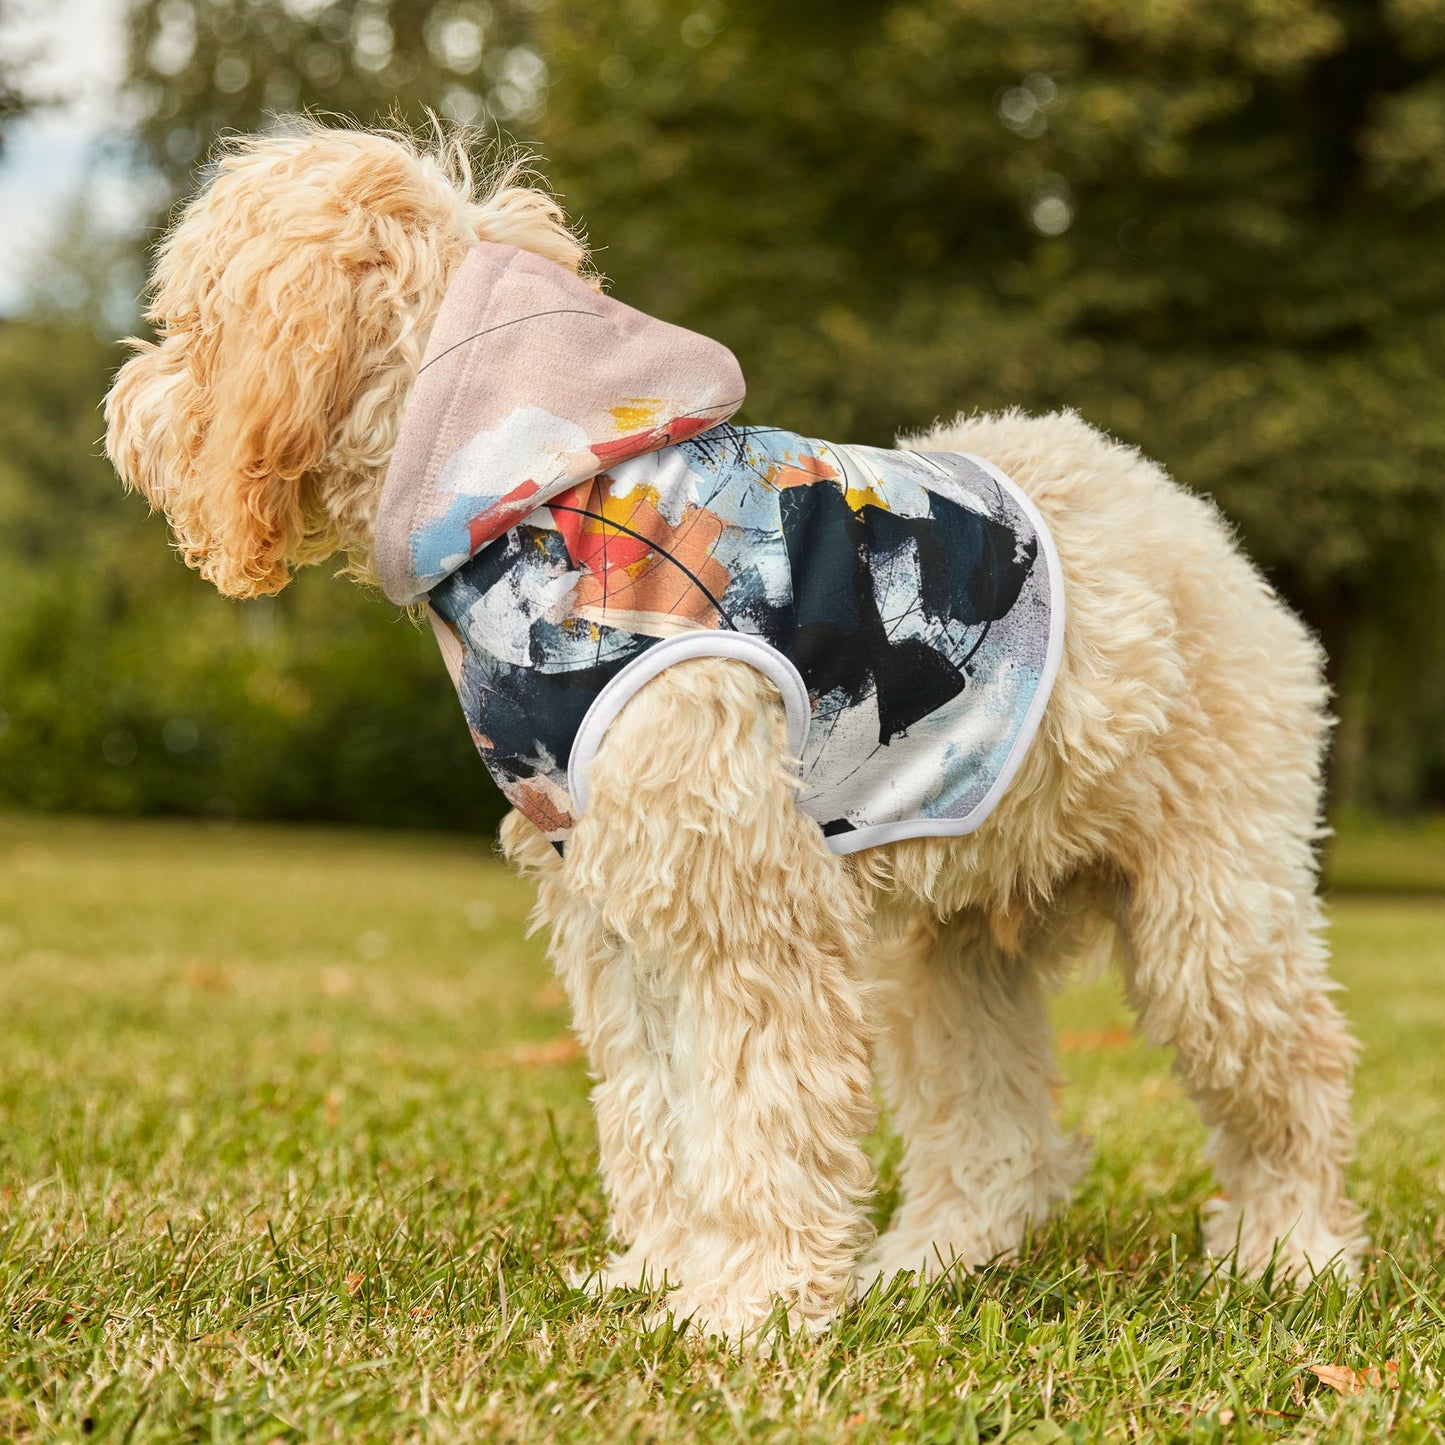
[
  {"x": 1095, "y": 1041},
  {"x": 202, "y": 975},
  {"x": 551, "y": 995},
  {"x": 561, "y": 1050},
  {"x": 1347, "y": 1381},
  {"x": 335, "y": 982}
]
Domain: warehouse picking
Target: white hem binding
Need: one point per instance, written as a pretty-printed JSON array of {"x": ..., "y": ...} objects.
[
  {"x": 746, "y": 647},
  {"x": 705, "y": 642}
]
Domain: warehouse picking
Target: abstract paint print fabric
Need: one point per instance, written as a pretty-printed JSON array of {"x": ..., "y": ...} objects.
[
  {"x": 531, "y": 381},
  {"x": 907, "y": 604}
]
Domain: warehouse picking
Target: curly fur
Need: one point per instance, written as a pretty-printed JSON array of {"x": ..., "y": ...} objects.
[
  {"x": 729, "y": 976},
  {"x": 292, "y": 301}
]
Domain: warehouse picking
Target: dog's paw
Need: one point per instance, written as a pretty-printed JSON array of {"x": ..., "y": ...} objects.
[
  {"x": 753, "y": 1324},
  {"x": 956, "y": 1243},
  {"x": 896, "y": 1254},
  {"x": 964, "y": 1229},
  {"x": 633, "y": 1270},
  {"x": 1298, "y": 1246}
]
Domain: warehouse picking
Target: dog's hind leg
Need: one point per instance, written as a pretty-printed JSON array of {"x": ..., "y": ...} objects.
[
  {"x": 1225, "y": 961},
  {"x": 737, "y": 936},
  {"x": 966, "y": 1059}
]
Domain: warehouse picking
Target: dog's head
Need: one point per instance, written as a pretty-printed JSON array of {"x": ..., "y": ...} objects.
[{"x": 292, "y": 301}]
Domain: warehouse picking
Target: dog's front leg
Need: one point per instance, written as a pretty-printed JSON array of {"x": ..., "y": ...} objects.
[
  {"x": 733, "y": 933},
  {"x": 622, "y": 1014}
]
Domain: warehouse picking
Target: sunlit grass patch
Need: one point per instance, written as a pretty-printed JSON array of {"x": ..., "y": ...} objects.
[{"x": 292, "y": 1146}]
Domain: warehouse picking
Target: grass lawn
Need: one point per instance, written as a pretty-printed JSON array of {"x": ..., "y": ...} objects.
[{"x": 293, "y": 1146}]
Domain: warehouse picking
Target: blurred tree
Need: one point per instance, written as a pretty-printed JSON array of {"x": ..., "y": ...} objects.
[
  {"x": 127, "y": 685},
  {"x": 15, "y": 99},
  {"x": 202, "y": 67},
  {"x": 1216, "y": 227}
]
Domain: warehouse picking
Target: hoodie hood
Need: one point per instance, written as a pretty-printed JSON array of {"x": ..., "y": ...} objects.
[{"x": 531, "y": 384}]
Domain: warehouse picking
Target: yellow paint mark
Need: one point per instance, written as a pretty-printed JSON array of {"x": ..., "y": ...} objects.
[
  {"x": 639, "y": 414},
  {"x": 860, "y": 497},
  {"x": 624, "y": 509}
]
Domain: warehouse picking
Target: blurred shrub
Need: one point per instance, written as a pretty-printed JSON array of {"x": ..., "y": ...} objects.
[
  {"x": 1215, "y": 227},
  {"x": 128, "y": 686},
  {"x": 273, "y": 710}
]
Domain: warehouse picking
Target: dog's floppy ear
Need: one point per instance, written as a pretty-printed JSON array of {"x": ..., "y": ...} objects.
[
  {"x": 292, "y": 302},
  {"x": 220, "y": 423},
  {"x": 270, "y": 352},
  {"x": 284, "y": 285},
  {"x": 276, "y": 357}
]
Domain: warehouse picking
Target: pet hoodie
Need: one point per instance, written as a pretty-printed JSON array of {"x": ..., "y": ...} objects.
[{"x": 569, "y": 497}]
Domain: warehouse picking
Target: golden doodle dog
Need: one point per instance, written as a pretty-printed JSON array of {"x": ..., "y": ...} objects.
[{"x": 819, "y": 754}]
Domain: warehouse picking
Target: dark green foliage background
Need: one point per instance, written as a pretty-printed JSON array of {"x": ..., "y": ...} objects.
[
  {"x": 128, "y": 686},
  {"x": 854, "y": 196}
]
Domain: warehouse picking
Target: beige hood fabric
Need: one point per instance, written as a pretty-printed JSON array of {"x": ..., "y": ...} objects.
[{"x": 531, "y": 383}]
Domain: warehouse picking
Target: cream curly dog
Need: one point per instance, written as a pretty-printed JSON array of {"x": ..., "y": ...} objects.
[{"x": 732, "y": 975}]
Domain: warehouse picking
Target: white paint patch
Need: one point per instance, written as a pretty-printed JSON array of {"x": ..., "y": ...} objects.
[
  {"x": 505, "y": 615},
  {"x": 667, "y": 473},
  {"x": 531, "y": 444}
]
